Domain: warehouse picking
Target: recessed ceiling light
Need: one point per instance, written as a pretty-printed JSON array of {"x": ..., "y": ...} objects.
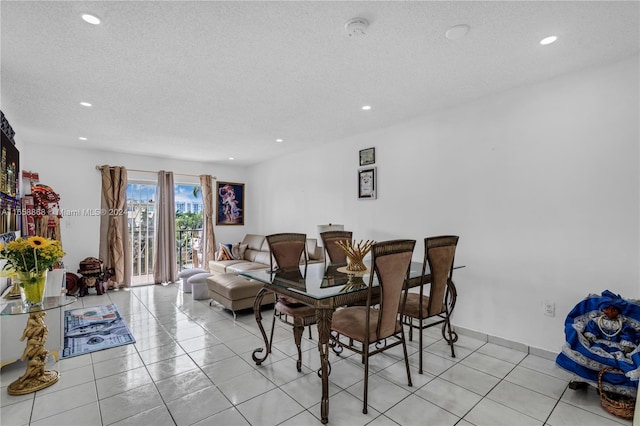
[
  {"x": 548, "y": 40},
  {"x": 366, "y": 107},
  {"x": 82, "y": 138},
  {"x": 91, "y": 19},
  {"x": 86, "y": 104},
  {"x": 279, "y": 140},
  {"x": 457, "y": 32},
  {"x": 231, "y": 158}
]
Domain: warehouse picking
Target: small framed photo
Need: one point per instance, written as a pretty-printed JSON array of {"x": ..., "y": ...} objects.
[
  {"x": 367, "y": 156},
  {"x": 230, "y": 205},
  {"x": 367, "y": 183}
]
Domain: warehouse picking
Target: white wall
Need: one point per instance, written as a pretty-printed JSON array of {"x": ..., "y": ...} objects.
[
  {"x": 541, "y": 184},
  {"x": 72, "y": 173}
]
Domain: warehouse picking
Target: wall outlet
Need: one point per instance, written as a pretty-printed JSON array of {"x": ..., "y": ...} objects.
[{"x": 549, "y": 309}]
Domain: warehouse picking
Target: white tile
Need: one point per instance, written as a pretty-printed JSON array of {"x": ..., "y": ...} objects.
[
  {"x": 346, "y": 410},
  {"x": 158, "y": 416},
  {"x": 502, "y": 352},
  {"x": 227, "y": 369},
  {"x": 521, "y": 399},
  {"x": 121, "y": 382},
  {"x": 171, "y": 367},
  {"x": 212, "y": 354},
  {"x": 129, "y": 403},
  {"x": 307, "y": 390},
  {"x": 382, "y": 394},
  {"x": 183, "y": 384},
  {"x": 245, "y": 387},
  {"x": 117, "y": 365},
  {"x": 66, "y": 399},
  {"x": 490, "y": 413},
  {"x": 471, "y": 379},
  {"x": 261, "y": 410},
  {"x": 486, "y": 364},
  {"x": 197, "y": 406},
  {"x": 228, "y": 417},
  {"x": 536, "y": 381},
  {"x": 449, "y": 396},
  {"x": 569, "y": 415},
  {"x": 86, "y": 415},
  {"x": 414, "y": 410},
  {"x": 18, "y": 413}
]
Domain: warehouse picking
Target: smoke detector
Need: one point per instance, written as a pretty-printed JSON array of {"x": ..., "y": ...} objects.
[{"x": 356, "y": 27}]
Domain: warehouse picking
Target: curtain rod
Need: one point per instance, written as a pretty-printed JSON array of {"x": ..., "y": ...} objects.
[{"x": 151, "y": 171}]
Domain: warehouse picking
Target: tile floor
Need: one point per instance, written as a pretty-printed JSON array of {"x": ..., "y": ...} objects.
[{"x": 191, "y": 365}]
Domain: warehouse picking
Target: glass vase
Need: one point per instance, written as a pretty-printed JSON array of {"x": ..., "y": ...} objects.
[{"x": 32, "y": 288}]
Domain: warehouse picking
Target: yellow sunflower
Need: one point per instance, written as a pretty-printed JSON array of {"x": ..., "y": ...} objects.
[{"x": 38, "y": 242}]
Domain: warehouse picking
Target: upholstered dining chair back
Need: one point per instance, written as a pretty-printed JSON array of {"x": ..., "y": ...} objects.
[
  {"x": 377, "y": 326},
  {"x": 440, "y": 253},
  {"x": 334, "y": 252},
  {"x": 390, "y": 261},
  {"x": 288, "y": 250}
]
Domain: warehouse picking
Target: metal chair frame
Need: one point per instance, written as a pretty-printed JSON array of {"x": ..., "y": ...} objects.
[
  {"x": 402, "y": 249},
  {"x": 440, "y": 307},
  {"x": 299, "y": 316}
]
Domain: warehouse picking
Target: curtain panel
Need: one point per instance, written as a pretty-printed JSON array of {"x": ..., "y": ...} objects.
[
  {"x": 114, "y": 249},
  {"x": 208, "y": 236},
  {"x": 165, "y": 263}
]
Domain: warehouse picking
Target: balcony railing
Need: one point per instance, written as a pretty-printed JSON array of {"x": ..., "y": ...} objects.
[{"x": 188, "y": 247}]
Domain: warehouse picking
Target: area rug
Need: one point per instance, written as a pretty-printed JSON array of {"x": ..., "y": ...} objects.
[{"x": 93, "y": 329}]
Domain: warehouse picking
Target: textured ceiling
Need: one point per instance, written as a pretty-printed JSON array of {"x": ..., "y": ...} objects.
[{"x": 208, "y": 80}]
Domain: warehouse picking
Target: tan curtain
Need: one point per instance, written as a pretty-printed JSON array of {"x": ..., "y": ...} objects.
[
  {"x": 115, "y": 249},
  {"x": 165, "y": 265},
  {"x": 208, "y": 245}
]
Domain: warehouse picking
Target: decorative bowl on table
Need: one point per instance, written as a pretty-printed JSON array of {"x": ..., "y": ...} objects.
[{"x": 356, "y": 253}]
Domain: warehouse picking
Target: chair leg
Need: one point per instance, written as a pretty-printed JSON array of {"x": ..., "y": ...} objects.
[
  {"x": 449, "y": 335},
  {"x": 406, "y": 361},
  {"x": 298, "y": 330},
  {"x": 366, "y": 377},
  {"x": 273, "y": 326},
  {"x": 420, "y": 348}
]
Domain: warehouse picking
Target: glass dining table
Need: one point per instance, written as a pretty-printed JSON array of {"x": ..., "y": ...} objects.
[{"x": 325, "y": 287}]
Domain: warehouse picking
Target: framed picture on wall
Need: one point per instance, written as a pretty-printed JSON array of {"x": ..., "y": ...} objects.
[
  {"x": 367, "y": 183},
  {"x": 230, "y": 204},
  {"x": 367, "y": 156}
]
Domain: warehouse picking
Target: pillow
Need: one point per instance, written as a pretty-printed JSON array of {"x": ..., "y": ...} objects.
[
  {"x": 237, "y": 251},
  {"x": 224, "y": 253}
]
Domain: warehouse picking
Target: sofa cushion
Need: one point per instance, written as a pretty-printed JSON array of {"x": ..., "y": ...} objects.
[
  {"x": 224, "y": 252},
  {"x": 220, "y": 266},
  {"x": 238, "y": 249},
  {"x": 245, "y": 266},
  {"x": 253, "y": 241}
]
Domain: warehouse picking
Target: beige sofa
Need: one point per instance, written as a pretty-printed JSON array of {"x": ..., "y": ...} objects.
[{"x": 236, "y": 292}]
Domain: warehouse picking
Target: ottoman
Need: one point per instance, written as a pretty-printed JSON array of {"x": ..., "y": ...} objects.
[
  {"x": 185, "y": 275},
  {"x": 198, "y": 285},
  {"x": 235, "y": 292}
]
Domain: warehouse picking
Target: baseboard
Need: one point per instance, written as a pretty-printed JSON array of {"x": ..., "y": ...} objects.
[{"x": 543, "y": 353}]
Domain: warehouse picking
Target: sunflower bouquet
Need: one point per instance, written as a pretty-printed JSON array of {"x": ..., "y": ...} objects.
[{"x": 30, "y": 258}]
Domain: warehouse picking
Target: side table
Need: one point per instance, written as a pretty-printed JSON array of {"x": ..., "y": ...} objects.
[{"x": 35, "y": 377}]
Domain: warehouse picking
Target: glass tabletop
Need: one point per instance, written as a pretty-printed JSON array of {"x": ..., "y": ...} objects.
[
  {"x": 16, "y": 307},
  {"x": 321, "y": 281}
]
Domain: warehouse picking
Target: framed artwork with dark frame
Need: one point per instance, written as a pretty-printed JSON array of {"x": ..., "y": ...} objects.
[
  {"x": 367, "y": 183},
  {"x": 367, "y": 156},
  {"x": 230, "y": 204}
]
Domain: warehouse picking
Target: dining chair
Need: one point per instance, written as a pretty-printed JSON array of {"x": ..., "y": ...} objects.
[
  {"x": 288, "y": 251},
  {"x": 369, "y": 330},
  {"x": 334, "y": 253},
  {"x": 439, "y": 254}
]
